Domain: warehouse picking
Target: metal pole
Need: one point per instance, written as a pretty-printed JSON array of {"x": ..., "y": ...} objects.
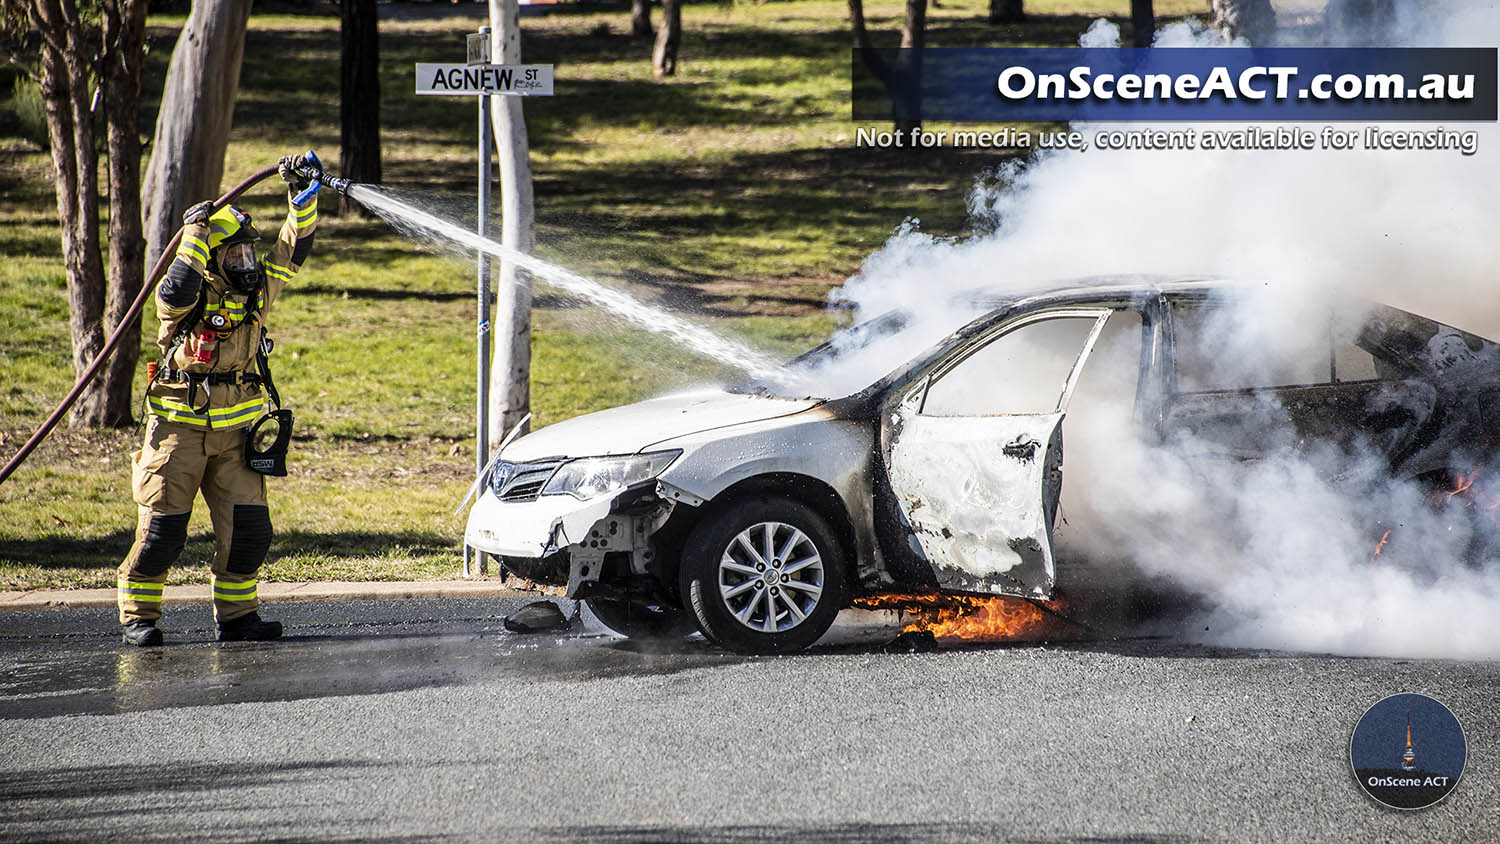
[{"x": 482, "y": 432}]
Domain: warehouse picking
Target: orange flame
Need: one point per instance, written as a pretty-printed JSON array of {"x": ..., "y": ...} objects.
[
  {"x": 977, "y": 618},
  {"x": 1481, "y": 497}
]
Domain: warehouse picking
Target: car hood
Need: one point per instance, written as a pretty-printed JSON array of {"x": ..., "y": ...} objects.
[{"x": 636, "y": 427}]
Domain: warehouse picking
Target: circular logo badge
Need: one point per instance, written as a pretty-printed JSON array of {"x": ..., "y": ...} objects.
[{"x": 1408, "y": 751}]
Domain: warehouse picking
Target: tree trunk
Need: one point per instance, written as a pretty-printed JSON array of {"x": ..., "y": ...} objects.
[
  {"x": 913, "y": 36},
  {"x": 668, "y": 35},
  {"x": 1006, "y": 11},
  {"x": 1252, "y": 20},
  {"x": 510, "y": 372},
  {"x": 197, "y": 110},
  {"x": 124, "y": 24},
  {"x": 640, "y": 18},
  {"x": 914, "y": 25},
  {"x": 857, "y": 25},
  {"x": 114, "y": 37},
  {"x": 1142, "y": 22},
  {"x": 65, "y": 95},
  {"x": 359, "y": 104}
]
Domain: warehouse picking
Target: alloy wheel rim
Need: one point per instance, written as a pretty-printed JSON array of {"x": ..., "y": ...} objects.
[{"x": 771, "y": 577}]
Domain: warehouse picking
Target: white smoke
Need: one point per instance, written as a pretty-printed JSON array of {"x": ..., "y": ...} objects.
[{"x": 1282, "y": 549}]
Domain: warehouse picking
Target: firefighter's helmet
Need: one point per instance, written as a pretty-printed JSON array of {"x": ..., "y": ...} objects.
[{"x": 232, "y": 240}]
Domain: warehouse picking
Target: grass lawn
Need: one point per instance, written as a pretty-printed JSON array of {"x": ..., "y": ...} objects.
[{"x": 733, "y": 192}]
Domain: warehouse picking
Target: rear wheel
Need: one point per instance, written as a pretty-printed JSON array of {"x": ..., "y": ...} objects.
[
  {"x": 763, "y": 575},
  {"x": 640, "y": 621}
]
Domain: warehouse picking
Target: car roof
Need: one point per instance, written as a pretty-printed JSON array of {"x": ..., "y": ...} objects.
[{"x": 1097, "y": 287}]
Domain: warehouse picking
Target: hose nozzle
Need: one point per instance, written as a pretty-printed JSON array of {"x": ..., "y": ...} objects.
[{"x": 312, "y": 169}]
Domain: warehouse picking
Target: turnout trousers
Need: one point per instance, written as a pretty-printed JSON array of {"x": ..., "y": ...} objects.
[{"x": 174, "y": 464}]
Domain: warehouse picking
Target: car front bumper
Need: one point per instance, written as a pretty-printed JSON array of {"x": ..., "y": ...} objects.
[{"x": 532, "y": 529}]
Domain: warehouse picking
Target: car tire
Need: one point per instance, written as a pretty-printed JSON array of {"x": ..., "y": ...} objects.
[
  {"x": 640, "y": 621},
  {"x": 747, "y": 603}
]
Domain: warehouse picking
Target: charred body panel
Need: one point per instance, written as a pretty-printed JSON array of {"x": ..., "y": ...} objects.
[
  {"x": 992, "y": 532},
  {"x": 995, "y": 536}
]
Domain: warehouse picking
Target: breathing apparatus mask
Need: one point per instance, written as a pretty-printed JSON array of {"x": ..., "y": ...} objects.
[
  {"x": 240, "y": 268},
  {"x": 234, "y": 238},
  {"x": 266, "y": 442}
]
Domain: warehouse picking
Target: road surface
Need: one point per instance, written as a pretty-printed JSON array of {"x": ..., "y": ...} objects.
[{"x": 427, "y": 721}]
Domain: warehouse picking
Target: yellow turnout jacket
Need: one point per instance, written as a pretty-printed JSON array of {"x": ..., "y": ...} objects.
[{"x": 198, "y": 349}]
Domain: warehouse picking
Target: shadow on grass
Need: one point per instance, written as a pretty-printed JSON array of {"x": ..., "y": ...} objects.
[
  {"x": 107, "y": 550},
  {"x": 771, "y": 201},
  {"x": 304, "y": 66},
  {"x": 740, "y": 40},
  {"x": 754, "y": 196},
  {"x": 693, "y": 292},
  {"x": 646, "y": 224},
  {"x": 767, "y": 192},
  {"x": 385, "y": 293}
]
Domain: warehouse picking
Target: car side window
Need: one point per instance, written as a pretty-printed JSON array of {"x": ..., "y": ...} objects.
[
  {"x": 1222, "y": 348},
  {"x": 1023, "y": 370}
]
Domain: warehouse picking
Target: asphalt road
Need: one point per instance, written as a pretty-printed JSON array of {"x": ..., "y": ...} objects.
[{"x": 427, "y": 721}]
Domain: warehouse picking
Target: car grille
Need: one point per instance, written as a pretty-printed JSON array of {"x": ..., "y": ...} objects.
[{"x": 521, "y": 481}]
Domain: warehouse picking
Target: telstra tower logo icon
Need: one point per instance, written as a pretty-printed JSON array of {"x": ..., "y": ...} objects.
[
  {"x": 1408, "y": 751},
  {"x": 1409, "y": 758}
]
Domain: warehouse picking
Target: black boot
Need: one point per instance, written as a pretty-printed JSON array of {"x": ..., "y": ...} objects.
[
  {"x": 142, "y": 634},
  {"x": 249, "y": 628}
]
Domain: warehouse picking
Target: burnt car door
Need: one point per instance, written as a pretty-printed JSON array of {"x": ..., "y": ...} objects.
[{"x": 974, "y": 462}]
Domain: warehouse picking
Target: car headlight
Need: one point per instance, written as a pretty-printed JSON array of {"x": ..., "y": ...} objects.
[{"x": 591, "y": 477}]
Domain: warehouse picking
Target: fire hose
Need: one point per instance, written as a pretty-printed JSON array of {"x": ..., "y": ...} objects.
[{"x": 147, "y": 287}]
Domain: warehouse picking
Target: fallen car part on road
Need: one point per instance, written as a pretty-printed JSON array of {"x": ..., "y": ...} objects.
[{"x": 536, "y": 617}]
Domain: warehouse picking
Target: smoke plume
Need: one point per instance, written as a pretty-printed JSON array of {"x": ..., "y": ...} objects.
[{"x": 1282, "y": 551}]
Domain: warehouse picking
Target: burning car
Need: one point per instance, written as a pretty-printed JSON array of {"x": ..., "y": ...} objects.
[{"x": 935, "y": 465}]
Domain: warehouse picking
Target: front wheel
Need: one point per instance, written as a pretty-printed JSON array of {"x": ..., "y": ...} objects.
[{"x": 763, "y": 576}]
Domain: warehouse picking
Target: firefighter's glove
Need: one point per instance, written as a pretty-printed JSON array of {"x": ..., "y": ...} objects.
[
  {"x": 289, "y": 167},
  {"x": 198, "y": 214}
]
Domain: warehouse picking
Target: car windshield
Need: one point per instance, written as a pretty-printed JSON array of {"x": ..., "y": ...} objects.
[{"x": 858, "y": 356}]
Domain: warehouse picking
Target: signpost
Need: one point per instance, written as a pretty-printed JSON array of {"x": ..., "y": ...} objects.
[{"x": 481, "y": 79}]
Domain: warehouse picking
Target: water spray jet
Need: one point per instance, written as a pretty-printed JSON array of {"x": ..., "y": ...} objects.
[{"x": 726, "y": 350}]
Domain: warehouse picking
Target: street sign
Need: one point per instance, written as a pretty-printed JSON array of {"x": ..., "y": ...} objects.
[
  {"x": 478, "y": 44},
  {"x": 527, "y": 80}
]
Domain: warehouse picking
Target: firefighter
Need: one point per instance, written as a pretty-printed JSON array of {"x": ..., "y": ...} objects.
[{"x": 212, "y": 382}]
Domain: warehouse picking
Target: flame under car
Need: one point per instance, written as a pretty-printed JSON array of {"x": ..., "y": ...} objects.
[{"x": 755, "y": 514}]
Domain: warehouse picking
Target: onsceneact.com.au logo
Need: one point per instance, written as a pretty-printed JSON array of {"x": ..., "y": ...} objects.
[
  {"x": 1408, "y": 751},
  {"x": 1187, "y": 83}
]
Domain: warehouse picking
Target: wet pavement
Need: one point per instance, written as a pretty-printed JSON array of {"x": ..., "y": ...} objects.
[
  {"x": 425, "y": 720},
  {"x": 70, "y": 662}
]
